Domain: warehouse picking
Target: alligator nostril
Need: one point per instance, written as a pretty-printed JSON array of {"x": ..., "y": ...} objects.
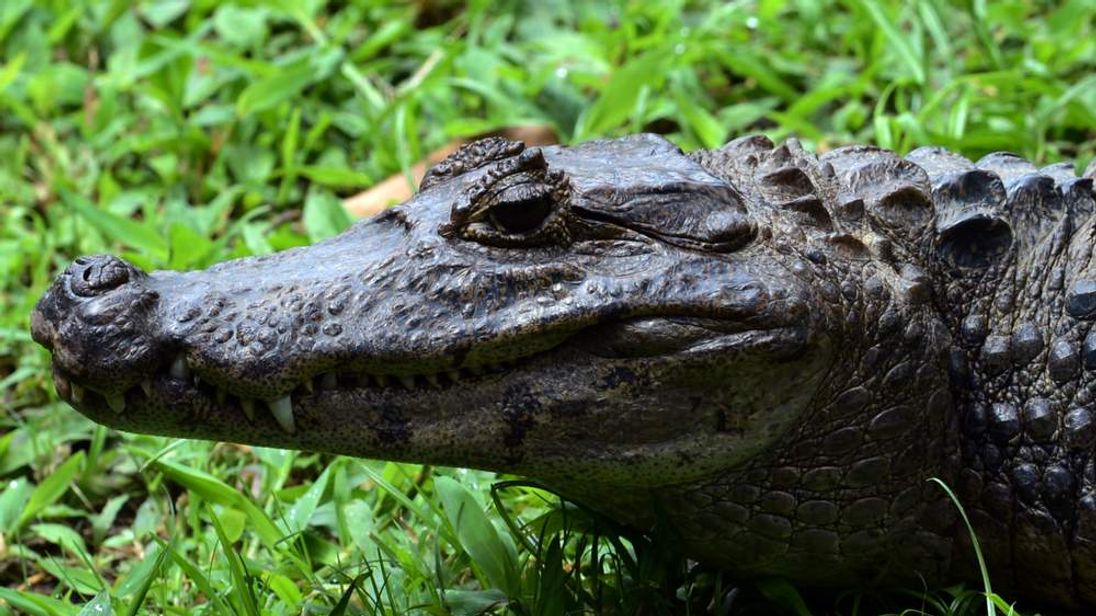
[{"x": 98, "y": 273}]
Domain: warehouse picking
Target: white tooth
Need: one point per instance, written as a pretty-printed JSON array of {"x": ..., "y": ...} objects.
[
  {"x": 453, "y": 375},
  {"x": 77, "y": 392},
  {"x": 282, "y": 409},
  {"x": 117, "y": 402},
  {"x": 408, "y": 382},
  {"x": 329, "y": 381},
  {"x": 248, "y": 405},
  {"x": 433, "y": 380},
  {"x": 308, "y": 386},
  {"x": 146, "y": 386},
  {"x": 179, "y": 369}
]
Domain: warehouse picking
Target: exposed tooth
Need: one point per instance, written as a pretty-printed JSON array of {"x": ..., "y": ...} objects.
[
  {"x": 433, "y": 380},
  {"x": 408, "y": 382},
  {"x": 329, "y": 381},
  {"x": 77, "y": 392},
  {"x": 282, "y": 409},
  {"x": 382, "y": 380},
  {"x": 179, "y": 369},
  {"x": 453, "y": 375},
  {"x": 146, "y": 386},
  {"x": 248, "y": 406},
  {"x": 116, "y": 402},
  {"x": 307, "y": 385}
]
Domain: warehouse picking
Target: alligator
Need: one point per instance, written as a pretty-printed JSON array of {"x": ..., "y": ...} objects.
[{"x": 770, "y": 351}]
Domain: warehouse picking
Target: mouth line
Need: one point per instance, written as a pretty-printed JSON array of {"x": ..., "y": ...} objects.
[
  {"x": 177, "y": 381},
  {"x": 180, "y": 381}
]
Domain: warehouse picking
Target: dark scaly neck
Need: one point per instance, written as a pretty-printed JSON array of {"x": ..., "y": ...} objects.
[{"x": 1023, "y": 372}]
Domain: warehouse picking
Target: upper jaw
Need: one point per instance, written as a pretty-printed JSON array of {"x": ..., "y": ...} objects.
[{"x": 176, "y": 400}]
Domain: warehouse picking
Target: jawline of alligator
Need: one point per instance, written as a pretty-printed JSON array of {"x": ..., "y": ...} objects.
[{"x": 179, "y": 381}]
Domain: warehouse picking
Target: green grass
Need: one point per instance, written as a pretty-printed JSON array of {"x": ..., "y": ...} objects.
[{"x": 184, "y": 132}]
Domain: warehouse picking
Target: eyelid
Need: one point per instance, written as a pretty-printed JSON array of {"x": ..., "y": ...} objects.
[
  {"x": 477, "y": 212},
  {"x": 528, "y": 162},
  {"x": 522, "y": 191}
]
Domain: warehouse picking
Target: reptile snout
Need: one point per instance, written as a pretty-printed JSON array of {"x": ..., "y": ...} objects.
[{"x": 97, "y": 320}]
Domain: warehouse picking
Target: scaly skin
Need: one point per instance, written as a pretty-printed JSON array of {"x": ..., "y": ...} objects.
[{"x": 773, "y": 352}]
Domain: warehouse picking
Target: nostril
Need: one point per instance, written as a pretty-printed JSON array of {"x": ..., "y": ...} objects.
[{"x": 95, "y": 274}]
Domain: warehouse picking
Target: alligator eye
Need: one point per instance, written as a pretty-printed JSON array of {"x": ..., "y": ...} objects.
[
  {"x": 516, "y": 202},
  {"x": 523, "y": 211}
]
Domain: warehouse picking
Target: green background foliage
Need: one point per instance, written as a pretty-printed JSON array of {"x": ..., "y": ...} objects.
[{"x": 179, "y": 133}]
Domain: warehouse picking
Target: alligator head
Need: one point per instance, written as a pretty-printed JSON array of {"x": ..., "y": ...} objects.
[{"x": 605, "y": 311}]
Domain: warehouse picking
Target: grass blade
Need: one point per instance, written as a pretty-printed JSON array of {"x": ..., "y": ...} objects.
[
  {"x": 241, "y": 579},
  {"x": 98, "y": 606},
  {"x": 899, "y": 41},
  {"x": 974, "y": 542},
  {"x": 479, "y": 537},
  {"x": 216, "y": 491},
  {"x": 36, "y": 605},
  {"x": 51, "y": 489},
  {"x": 146, "y": 572},
  {"x": 117, "y": 228}
]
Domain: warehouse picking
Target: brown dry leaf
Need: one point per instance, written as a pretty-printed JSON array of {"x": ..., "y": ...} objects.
[{"x": 396, "y": 189}]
